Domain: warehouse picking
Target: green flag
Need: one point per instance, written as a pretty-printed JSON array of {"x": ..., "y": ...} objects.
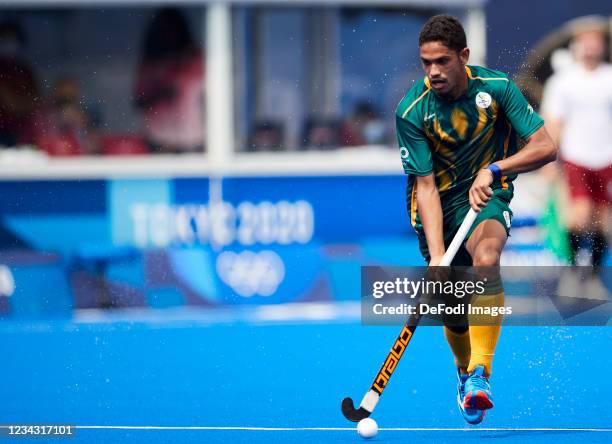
[{"x": 555, "y": 232}]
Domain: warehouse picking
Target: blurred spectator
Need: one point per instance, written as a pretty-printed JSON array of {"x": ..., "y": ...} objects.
[
  {"x": 68, "y": 129},
  {"x": 577, "y": 104},
  {"x": 19, "y": 93},
  {"x": 122, "y": 145},
  {"x": 169, "y": 90},
  {"x": 363, "y": 127},
  {"x": 322, "y": 133},
  {"x": 267, "y": 136}
]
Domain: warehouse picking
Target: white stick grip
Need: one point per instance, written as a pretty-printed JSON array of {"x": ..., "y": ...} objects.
[
  {"x": 370, "y": 400},
  {"x": 450, "y": 253}
]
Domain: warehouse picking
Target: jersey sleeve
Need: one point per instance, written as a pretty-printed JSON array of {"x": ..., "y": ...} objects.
[
  {"x": 522, "y": 117},
  {"x": 414, "y": 149}
]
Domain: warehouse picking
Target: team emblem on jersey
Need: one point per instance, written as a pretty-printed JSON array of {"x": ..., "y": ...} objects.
[
  {"x": 483, "y": 100},
  {"x": 404, "y": 152}
]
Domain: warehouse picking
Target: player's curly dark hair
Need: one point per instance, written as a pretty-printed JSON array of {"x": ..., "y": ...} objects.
[{"x": 445, "y": 29}]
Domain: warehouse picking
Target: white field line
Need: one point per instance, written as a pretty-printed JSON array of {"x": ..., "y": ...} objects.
[{"x": 325, "y": 429}]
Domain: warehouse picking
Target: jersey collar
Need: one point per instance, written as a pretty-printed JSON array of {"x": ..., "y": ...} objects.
[{"x": 468, "y": 71}]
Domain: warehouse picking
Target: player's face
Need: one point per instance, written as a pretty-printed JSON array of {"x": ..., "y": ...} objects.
[
  {"x": 590, "y": 47},
  {"x": 444, "y": 67}
]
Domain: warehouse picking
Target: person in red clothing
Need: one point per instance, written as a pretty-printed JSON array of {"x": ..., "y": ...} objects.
[
  {"x": 169, "y": 89},
  {"x": 363, "y": 127},
  {"x": 65, "y": 127}
]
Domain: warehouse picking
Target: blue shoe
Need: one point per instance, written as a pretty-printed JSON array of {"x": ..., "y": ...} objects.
[
  {"x": 477, "y": 391},
  {"x": 472, "y": 416}
]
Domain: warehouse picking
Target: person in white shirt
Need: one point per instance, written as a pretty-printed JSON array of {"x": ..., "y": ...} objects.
[{"x": 577, "y": 106}]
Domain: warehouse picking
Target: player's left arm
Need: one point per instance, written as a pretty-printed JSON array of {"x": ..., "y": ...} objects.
[{"x": 539, "y": 150}]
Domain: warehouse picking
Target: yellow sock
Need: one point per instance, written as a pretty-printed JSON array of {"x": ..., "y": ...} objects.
[
  {"x": 460, "y": 346},
  {"x": 483, "y": 339},
  {"x": 484, "y": 332}
]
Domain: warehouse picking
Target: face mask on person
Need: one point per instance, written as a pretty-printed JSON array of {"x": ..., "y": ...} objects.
[
  {"x": 374, "y": 132},
  {"x": 9, "y": 47}
]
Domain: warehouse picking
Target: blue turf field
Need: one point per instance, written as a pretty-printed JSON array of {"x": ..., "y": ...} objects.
[{"x": 293, "y": 375}]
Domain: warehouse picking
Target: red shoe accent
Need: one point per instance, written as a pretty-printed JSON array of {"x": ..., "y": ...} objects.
[{"x": 478, "y": 400}]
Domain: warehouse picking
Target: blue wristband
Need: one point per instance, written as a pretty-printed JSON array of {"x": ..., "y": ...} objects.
[{"x": 497, "y": 172}]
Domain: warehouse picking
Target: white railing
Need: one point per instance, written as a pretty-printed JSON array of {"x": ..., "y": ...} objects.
[{"x": 28, "y": 165}]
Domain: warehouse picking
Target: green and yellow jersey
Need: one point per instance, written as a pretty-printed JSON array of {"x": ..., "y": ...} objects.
[{"x": 456, "y": 139}]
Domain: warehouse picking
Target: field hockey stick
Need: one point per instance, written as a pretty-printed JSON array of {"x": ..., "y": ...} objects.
[{"x": 369, "y": 401}]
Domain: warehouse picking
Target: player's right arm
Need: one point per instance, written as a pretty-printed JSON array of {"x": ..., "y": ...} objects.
[
  {"x": 417, "y": 161},
  {"x": 430, "y": 212}
]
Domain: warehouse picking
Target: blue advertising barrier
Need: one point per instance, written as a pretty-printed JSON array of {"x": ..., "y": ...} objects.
[{"x": 205, "y": 242}]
